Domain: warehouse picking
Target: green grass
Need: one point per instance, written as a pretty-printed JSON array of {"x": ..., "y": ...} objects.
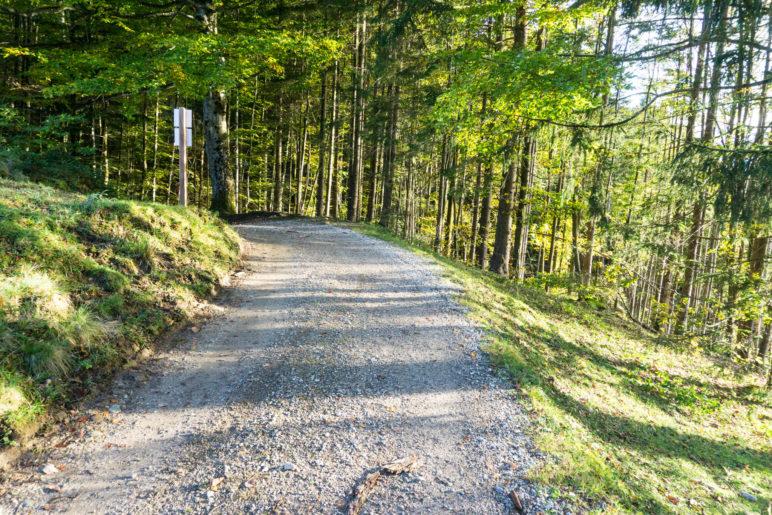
[
  {"x": 86, "y": 282},
  {"x": 644, "y": 426}
]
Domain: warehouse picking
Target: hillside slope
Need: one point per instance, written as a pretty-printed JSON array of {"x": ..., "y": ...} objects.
[
  {"x": 639, "y": 422},
  {"x": 85, "y": 282}
]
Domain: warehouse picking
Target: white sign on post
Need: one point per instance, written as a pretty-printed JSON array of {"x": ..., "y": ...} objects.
[
  {"x": 183, "y": 138},
  {"x": 188, "y": 122}
]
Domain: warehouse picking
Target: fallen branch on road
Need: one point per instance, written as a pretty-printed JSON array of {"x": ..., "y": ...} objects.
[{"x": 366, "y": 486}]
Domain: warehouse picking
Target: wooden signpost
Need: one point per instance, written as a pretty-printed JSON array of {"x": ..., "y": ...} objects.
[{"x": 183, "y": 138}]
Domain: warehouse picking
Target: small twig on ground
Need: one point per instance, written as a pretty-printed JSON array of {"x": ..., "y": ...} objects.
[
  {"x": 365, "y": 487},
  {"x": 516, "y": 503}
]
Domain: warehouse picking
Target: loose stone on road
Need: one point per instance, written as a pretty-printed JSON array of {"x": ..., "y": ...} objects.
[{"x": 332, "y": 354}]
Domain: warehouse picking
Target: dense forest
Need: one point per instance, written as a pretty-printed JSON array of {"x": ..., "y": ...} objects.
[{"x": 616, "y": 150}]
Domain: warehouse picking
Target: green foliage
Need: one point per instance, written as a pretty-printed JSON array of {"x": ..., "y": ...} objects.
[{"x": 195, "y": 63}]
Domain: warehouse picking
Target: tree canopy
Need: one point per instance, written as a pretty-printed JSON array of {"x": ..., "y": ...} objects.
[{"x": 615, "y": 150}]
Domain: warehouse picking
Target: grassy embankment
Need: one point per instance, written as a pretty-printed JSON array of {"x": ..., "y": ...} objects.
[
  {"x": 86, "y": 282},
  {"x": 646, "y": 426}
]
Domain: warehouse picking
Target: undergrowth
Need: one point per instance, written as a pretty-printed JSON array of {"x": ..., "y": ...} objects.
[
  {"x": 630, "y": 421},
  {"x": 85, "y": 282}
]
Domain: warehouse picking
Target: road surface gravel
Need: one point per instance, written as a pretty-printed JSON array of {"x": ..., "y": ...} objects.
[{"x": 332, "y": 354}]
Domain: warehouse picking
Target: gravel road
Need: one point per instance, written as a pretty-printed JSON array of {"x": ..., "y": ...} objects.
[{"x": 332, "y": 354}]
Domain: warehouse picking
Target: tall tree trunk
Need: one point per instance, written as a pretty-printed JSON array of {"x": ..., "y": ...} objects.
[
  {"x": 301, "y": 159},
  {"x": 548, "y": 265},
  {"x": 237, "y": 152},
  {"x": 105, "y": 155},
  {"x": 476, "y": 211},
  {"x": 502, "y": 242},
  {"x": 216, "y": 125},
  {"x": 698, "y": 210},
  {"x": 322, "y": 127},
  {"x": 333, "y": 136},
  {"x": 387, "y": 210},
  {"x": 143, "y": 179},
  {"x": 451, "y": 200},
  {"x": 278, "y": 179},
  {"x": 354, "y": 183},
  {"x": 155, "y": 143},
  {"x": 374, "y": 159},
  {"x": 335, "y": 208},
  {"x": 527, "y": 169},
  {"x": 217, "y": 152},
  {"x": 501, "y": 245},
  {"x": 757, "y": 253},
  {"x": 485, "y": 216},
  {"x": 441, "y": 195},
  {"x": 527, "y": 166}
]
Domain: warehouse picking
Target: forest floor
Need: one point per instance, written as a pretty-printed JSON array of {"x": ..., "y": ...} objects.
[{"x": 331, "y": 355}]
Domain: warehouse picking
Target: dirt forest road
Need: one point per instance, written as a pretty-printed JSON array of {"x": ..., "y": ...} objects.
[{"x": 332, "y": 354}]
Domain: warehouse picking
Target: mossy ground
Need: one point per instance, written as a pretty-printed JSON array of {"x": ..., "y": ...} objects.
[
  {"x": 86, "y": 282},
  {"x": 646, "y": 426}
]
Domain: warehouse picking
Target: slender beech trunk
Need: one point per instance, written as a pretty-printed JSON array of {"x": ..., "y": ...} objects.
[
  {"x": 485, "y": 216},
  {"x": 322, "y": 127},
  {"x": 143, "y": 179},
  {"x": 451, "y": 202},
  {"x": 476, "y": 211},
  {"x": 441, "y": 193},
  {"x": 390, "y": 157},
  {"x": 237, "y": 156},
  {"x": 333, "y": 136},
  {"x": 374, "y": 160},
  {"x": 155, "y": 143},
  {"x": 354, "y": 183},
  {"x": 302, "y": 165},
  {"x": 527, "y": 170},
  {"x": 698, "y": 210},
  {"x": 527, "y": 166},
  {"x": 335, "y": 188},
  {"x": 278, "y": 179},
  {"x": 105, "y": 155}
]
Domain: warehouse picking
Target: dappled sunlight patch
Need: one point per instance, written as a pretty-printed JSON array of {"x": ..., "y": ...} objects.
[
  {"x": 32, "y": 294},
  {"x": 11, "y": 398}
]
